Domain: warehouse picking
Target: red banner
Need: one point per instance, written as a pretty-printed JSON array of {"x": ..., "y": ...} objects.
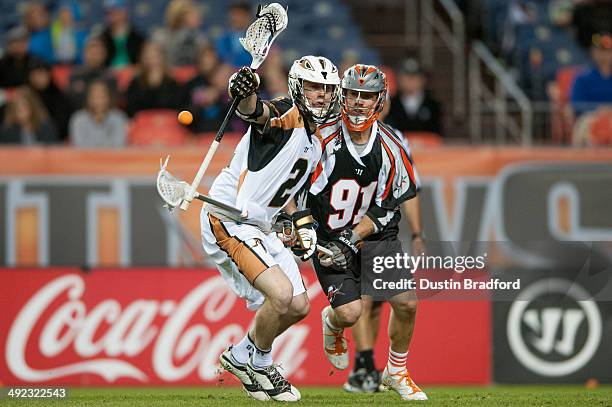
[{"x": 168, "y": 326}]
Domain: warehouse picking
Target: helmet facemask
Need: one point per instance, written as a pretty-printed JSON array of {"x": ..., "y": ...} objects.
[
  {"x": 359, "y": 118},
  {"x": 362, "y": 85},
  {"x": 318, "y": 114},
  {"x": 314, "y": 75}
]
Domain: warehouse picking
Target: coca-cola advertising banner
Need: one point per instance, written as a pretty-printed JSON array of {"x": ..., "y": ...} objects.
[{"x": 168, "y": 326}]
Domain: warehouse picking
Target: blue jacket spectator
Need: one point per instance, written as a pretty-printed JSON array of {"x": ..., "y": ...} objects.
[
  {"x": 67, "y": 36},
  {"x": 229, "y": 49},
  {"x": 36, "y": 20},
  {"x": 593, "y": 87}
]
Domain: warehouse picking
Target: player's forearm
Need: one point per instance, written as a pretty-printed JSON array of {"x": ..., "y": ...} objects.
[
  {"x": 253, "y": 110},
  {"x": 291, "y": 207},
  {"x": 365, "y": 227},
  {"x": 412, "y": 210}
]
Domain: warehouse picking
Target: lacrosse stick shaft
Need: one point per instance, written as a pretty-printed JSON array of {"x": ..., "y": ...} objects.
[{"x": 209, "y": 155}]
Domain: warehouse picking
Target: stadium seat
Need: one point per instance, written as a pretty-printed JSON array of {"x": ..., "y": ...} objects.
[
  {"x": 423, "y": 139},
  {"x": 61, "y": 75},
  {"x": 183, "y": 74},
  {"x": 124, "y": 77},
  {"x": 600, "y": 130},
  {"x": 157, "y": 127},
  {"x": 565, "y": 80}
]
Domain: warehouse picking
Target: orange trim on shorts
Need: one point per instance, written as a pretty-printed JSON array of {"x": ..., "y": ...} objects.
[{"x": 248, "y": 262}]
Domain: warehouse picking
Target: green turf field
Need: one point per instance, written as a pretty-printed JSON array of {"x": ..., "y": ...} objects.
[{"x": 316, "y": 396}]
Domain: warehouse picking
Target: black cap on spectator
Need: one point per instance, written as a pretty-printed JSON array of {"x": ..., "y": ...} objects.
[
  {"x": 602, "y": 40},
  {"x": 410, "y": 66},
  {"x": 38, "y": 64},
  {"x": 16, "y": 34}
]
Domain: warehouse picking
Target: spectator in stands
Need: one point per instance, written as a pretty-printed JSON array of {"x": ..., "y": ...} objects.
[
  {"x": 593, "y": 88},
  {"x": 36, "y": 20},
  {"x": 15, "y": 64},
  {"x": 99, "y": 124},
  {"x": 93, "y": 68},
  {"x": 413, "y": 108},
  {"x": 56, "y": 102},
  {"x": 228, "y": 47},
  {"x": 153, "y": 87},
  {"x": 123, "y": 42},
  {"x": 181, "y": 37},
  {"x": 203, "y": 97},
  {"x": 27, "y": 121},
  {"x": 272, "y": 73},
  {"x": 592, "y": 17},
  {"x": 67, "y": 37}
]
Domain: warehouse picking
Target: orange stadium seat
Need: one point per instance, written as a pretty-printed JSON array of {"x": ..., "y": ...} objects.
[
  {"x": 423, "y": 139},
  {"x": 61, "y": 75},
  {"x": 157, "y": 127},
  {"x": 601, "y": 128},
  {"x": 183, "y": 74},
  {"x": 124, "y": 77},
  {"x": 391, "y": 81},
  {"x": 565, "y": 80}
]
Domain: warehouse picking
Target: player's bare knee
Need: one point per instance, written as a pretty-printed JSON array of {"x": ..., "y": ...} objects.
[
  {"x": 300, "y": 306},
  {"x": 348, "y": 314},
  {"x": 405, "y": 308}
]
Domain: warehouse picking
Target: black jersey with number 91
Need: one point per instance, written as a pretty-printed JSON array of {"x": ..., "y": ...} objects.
[{"x": 348, "y": 185}]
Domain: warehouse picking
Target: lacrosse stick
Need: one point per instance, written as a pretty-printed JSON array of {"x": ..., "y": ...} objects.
[
  {"x": 271, "y": 21},
  {"x": 173, "y": 191}
]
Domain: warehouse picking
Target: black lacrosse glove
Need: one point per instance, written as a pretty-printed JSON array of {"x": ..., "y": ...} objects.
[
  {"x": 283, "y": 226},
  {"x": 305, "y": 231},
  {"x": 243, "y": 83},
  {"x": 345, "y": 246}
]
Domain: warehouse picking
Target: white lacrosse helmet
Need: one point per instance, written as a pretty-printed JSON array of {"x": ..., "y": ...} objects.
[{"x": 318, "y": 70}]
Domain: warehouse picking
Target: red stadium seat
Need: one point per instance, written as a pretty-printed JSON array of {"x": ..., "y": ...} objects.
[
  {"x": 61, "y": 75},
  {"x": 601, "y": 128},
  {"x": 565, "y": 80},
  {"x": 391, "y": 80},
  {"x": 124, "y": 77},
  {"x": 157, "y": 127},
  {"x": 183, "y": 74}
]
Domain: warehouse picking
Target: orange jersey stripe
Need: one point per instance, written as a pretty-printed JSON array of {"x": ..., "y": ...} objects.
[
  {"x": 403, "y": 153},
  {"x": 391, "y": 172}
]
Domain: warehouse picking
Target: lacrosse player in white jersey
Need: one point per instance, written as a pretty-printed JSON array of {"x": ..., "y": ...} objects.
[{"x": 271, "y": 163}]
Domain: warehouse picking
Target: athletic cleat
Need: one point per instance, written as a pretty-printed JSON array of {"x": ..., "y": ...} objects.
[
  {"x": 250, "y": 385},
  {"x": 274, "y": 384},
  {"x": 404, "y": 386},
  {"x": 334, "y": 344},
  {"x": 362, "y": 381}
]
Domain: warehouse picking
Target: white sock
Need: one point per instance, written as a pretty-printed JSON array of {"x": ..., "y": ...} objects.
[
  {"x": 396, "y": 362},
  {"x": 261, "y": 358},
  {"x": 243, "y": 350}
]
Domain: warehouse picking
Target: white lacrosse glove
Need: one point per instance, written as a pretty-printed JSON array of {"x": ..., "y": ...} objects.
[{"x": 305, "y": 230}]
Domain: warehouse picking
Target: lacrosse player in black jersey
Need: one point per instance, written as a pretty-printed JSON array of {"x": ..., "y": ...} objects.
[{"x": 364, "y": 175}]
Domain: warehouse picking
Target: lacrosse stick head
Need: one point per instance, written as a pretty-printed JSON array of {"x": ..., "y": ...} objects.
[
  {"x": 271, "y": 21},
  {"x": 172, "y": 190}
]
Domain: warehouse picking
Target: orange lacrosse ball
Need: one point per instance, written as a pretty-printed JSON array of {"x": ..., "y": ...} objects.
[{"x": 185, "y": 117}]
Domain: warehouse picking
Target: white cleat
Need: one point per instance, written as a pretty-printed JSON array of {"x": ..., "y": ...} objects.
[
  {"x": 252, "y": 388},
  {"x": 402, "y": 384},
  {"x": 334, "y": 344},
  {"x": 274, "y": 384}
]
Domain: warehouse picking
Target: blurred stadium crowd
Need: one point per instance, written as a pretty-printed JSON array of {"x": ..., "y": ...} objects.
[{"x": 114, "y": 73}]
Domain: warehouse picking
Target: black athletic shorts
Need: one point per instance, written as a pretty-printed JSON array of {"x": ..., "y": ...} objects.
[{"x": 341, "y": 287}]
